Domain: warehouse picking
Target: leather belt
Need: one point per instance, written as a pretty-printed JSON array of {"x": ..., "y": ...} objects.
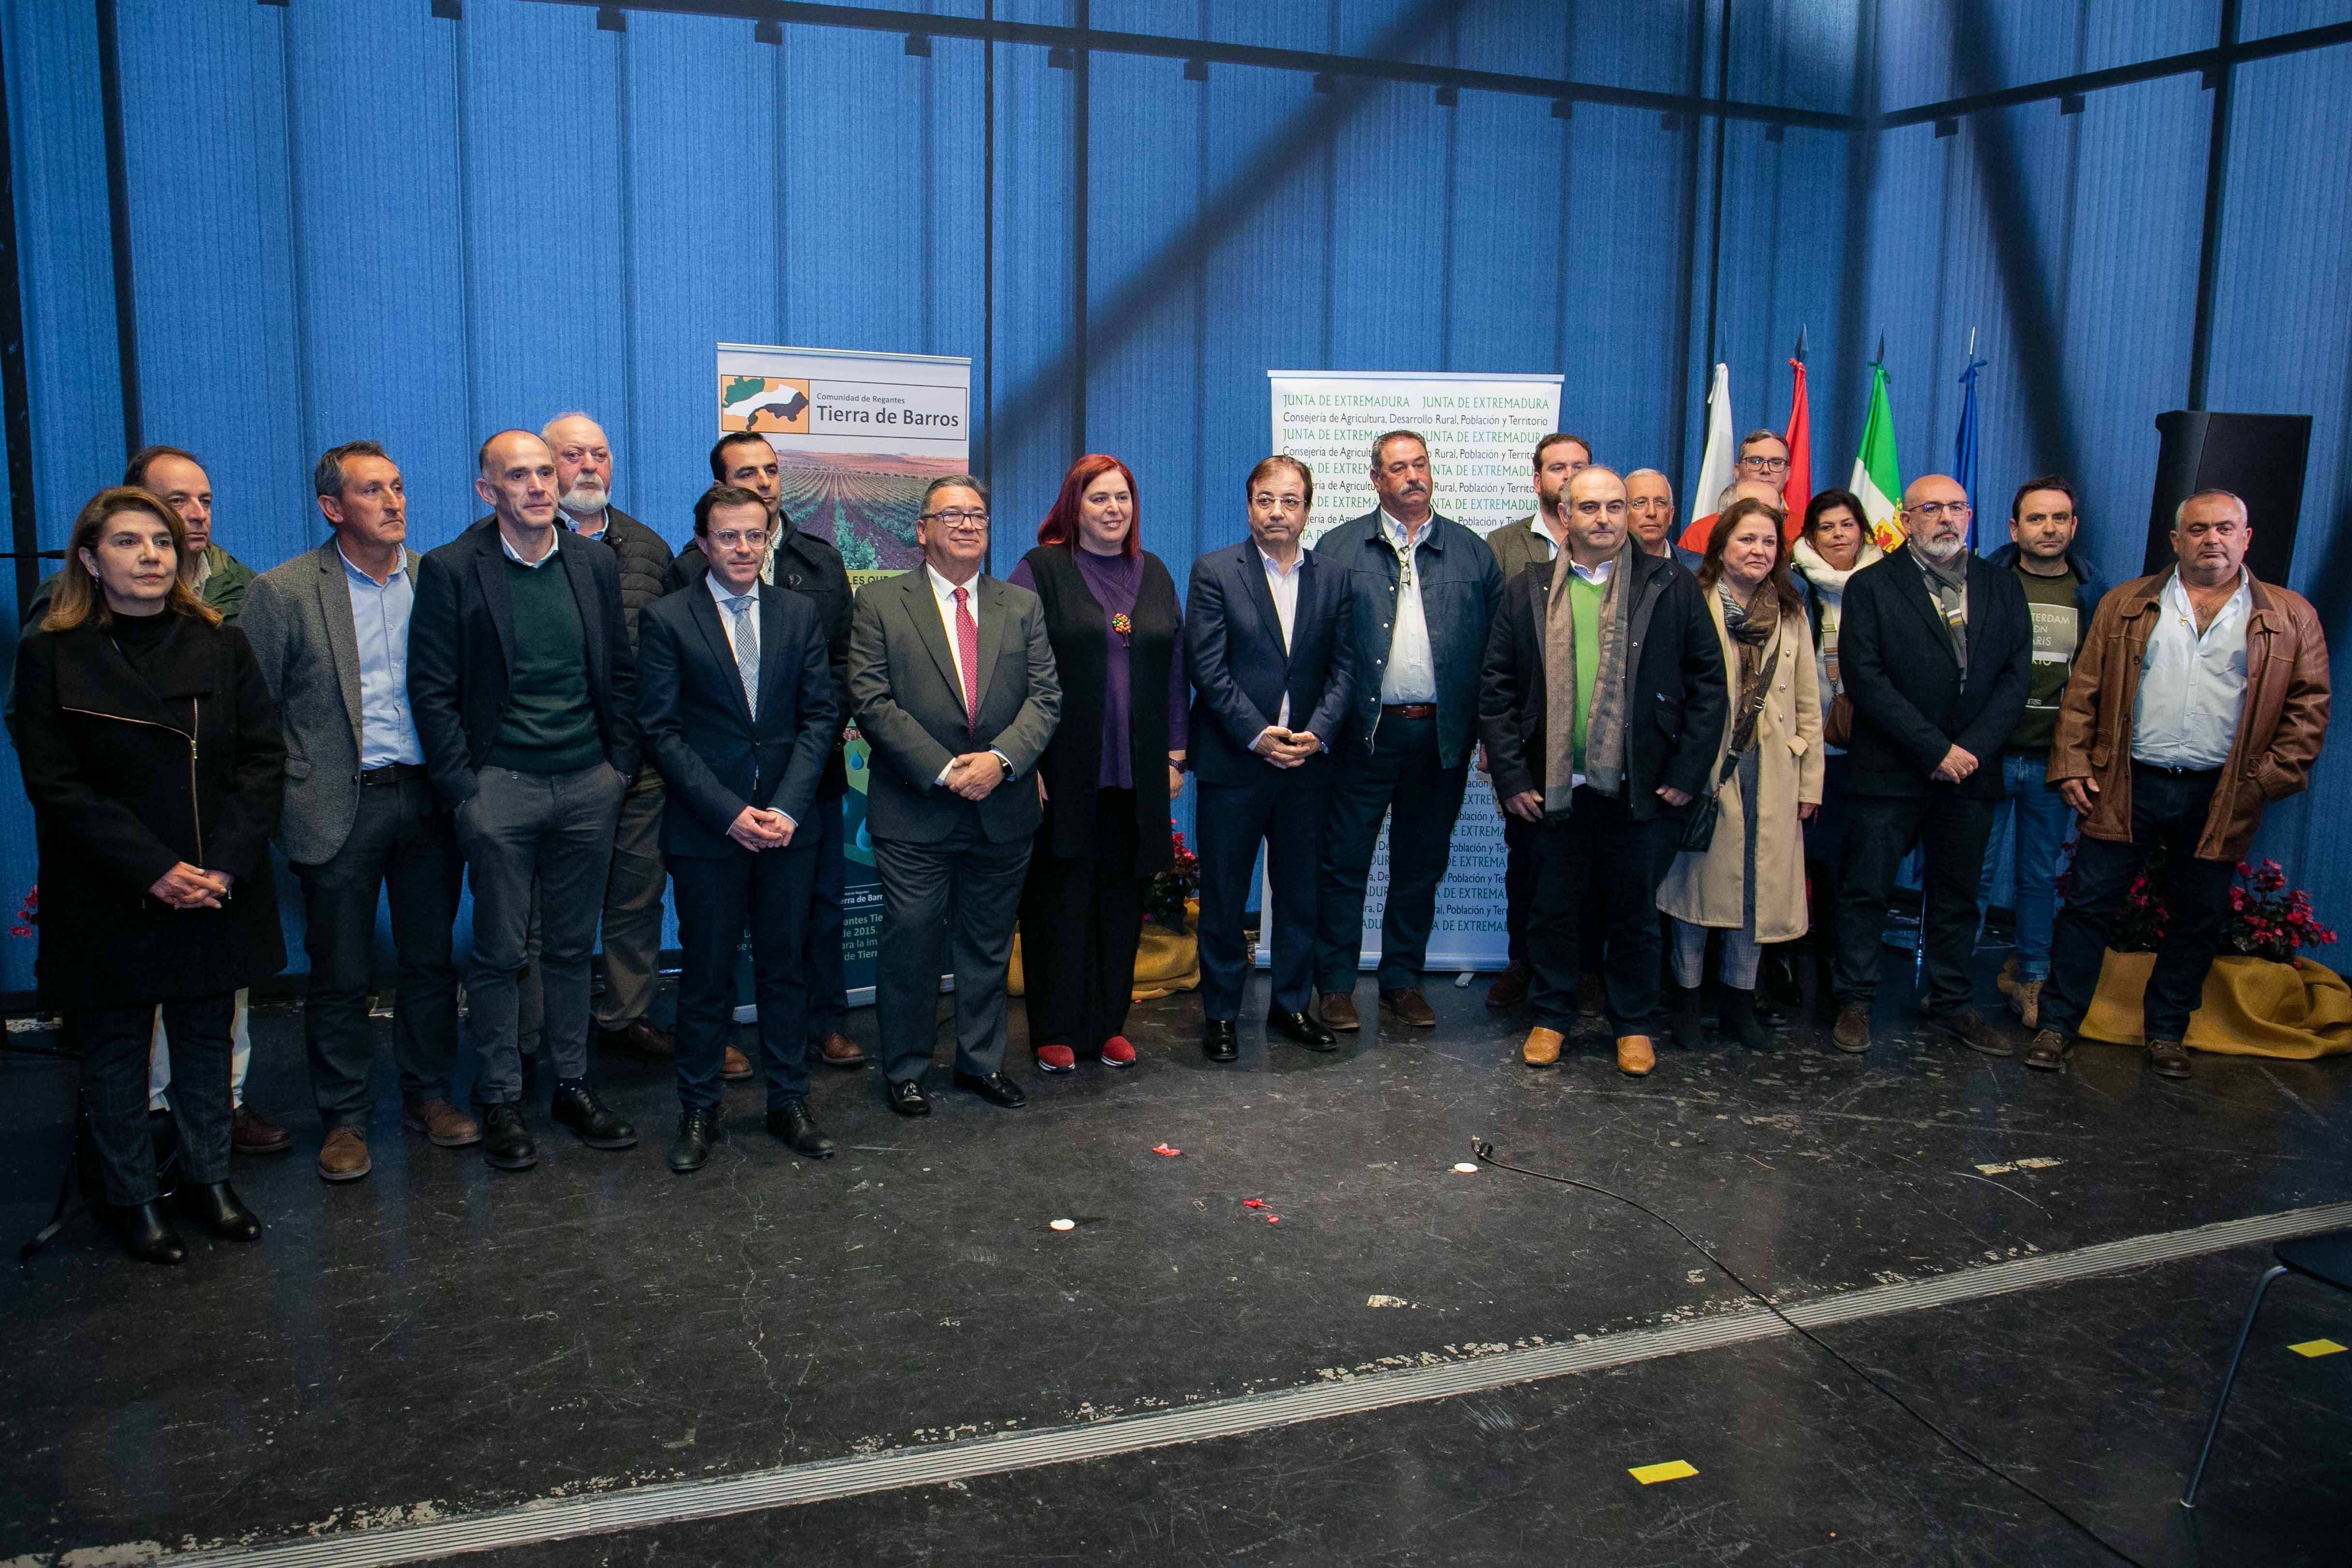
[
  {"x": 391, "y": 774},
  {"x": 1409, "y": 710},
  {"x": 2168, "y": 771}
]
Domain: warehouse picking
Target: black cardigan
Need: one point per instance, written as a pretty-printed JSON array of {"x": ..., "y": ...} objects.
[
  {"x": 1072, "y": 767},
  {"x": 128, "y": 778}
]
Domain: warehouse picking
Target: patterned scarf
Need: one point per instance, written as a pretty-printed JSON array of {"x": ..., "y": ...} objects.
[
  {"x": 1752, "y": 630},
  {"x": 1604, "y": 726},
  {"x": 1949, "y": 581}
]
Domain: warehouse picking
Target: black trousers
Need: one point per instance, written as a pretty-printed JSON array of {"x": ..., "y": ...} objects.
[
  {"x": 1231, "y": 821},
  {"x": 1400, "y": 770},
  {"x": 114, "y": 1045},
  {"x": 1950, "y": 830},
  {"x": 1597, "y": 848},
  {"x": 401, "y": 845},
  {"x": 767, "y": 894},
  {"x": 2196, "y": 905},
  {"x": 1080, "y": 921},
  {"x": 1521, "y": 861}
]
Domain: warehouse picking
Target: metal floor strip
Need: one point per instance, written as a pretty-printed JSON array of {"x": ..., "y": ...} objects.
[{"x": 823, "y": 1480}]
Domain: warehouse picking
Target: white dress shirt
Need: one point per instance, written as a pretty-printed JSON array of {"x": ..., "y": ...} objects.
[
  {"x": 724, "y": 598},
  {"x": 1283, "y": 585},
  {"x": 1412, "y": 672},
  {"x": 554, "y": 544},
  {"x": 2191, "y": 686}
]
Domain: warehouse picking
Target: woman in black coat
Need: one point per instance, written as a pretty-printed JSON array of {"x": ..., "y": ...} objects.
[
  {"x": 1116, "y": 760},
  {"x": 152, "y": 755}
]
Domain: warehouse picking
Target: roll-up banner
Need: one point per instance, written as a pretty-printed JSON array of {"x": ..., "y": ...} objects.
[
  {"x": 857, "y": 436},
  {"x": 1482, "y": 432}
]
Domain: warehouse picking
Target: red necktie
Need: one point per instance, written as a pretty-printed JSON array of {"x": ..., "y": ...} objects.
[{"x": 968, "y": 658}]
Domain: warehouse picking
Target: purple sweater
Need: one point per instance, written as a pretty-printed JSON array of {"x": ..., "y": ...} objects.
[{"x": 1114, "y": 581}]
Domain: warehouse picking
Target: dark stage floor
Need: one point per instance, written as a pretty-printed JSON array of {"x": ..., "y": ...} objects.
[{"x": 892, "y": 1358}]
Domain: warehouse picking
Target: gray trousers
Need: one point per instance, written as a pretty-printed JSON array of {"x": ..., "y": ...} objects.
[
  {"x": 963, "y": 894},
  {"x": 633, "y": 907},
  {"x": 555, "y": 828}
]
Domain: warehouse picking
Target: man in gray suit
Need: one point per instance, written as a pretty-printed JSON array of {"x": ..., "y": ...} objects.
[
  {"x": 953, "y": 686},
  {"x": 330, "y": 631}
]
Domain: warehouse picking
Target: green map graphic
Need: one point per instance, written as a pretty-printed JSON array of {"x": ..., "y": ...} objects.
[{"x": 738, "y": 388}]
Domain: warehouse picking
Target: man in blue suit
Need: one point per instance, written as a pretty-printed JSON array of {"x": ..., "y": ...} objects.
[
  {"x": 735, "y": 701},
  {"x": 1267, "y": 638}
]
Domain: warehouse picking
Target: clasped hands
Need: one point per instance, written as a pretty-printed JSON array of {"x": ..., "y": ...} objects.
[
  {"x": 1958, "y": 764},
  {"x": 186, "y": 886},
  {"x": 975, "y": 774},
  {"x": 756, "y": 829},
  {"x": 1286, "y": 748}
]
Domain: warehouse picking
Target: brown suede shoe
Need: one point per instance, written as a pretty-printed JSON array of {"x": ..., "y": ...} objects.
[
  {"x": 1337, "y": 1011},
  {"x": 250, "y": 1132},
  {"x": 736, "y": 1068},
  {"x": 838, "y": 1050},
  {"x": 1591, "y": 995},
  {"x": 1968, "y": 1026},
  {"x": 1851, "y": 1032},
  {"x": 443, "y": 1124},
  {"x": 1408, "y": 1006},
  {"x": 2168, "y": 1058},
  {"x": 346, "y": 1157},
  {"x": 2049, "y": 1050},
  {"x": 639, "y": 1038},
  {"x": 1542, "y": 1048},
  {"x": 1635, "y": 1057},
  {"x": 1510, "y": 987}
]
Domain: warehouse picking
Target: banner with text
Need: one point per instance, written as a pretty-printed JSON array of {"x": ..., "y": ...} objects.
[
  {"x": 1482, "y": 432},
  {"x": 857, "y": 436}
]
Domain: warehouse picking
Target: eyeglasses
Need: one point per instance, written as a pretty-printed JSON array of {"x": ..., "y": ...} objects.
[
  {"x": 1766, "y": 464},
  {"x": 1930, "y": 512},
  {"x": 754, "y": 537},
  {"x": 960, "y": 522}
]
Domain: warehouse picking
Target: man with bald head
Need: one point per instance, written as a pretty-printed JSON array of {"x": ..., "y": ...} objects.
[
  {"x": 523, "y": 688},
  {"x": 1936, "y": 649}
]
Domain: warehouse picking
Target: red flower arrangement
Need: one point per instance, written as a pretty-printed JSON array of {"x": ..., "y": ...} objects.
[
  {"x": 30, "y": 915},
  {"x": 2266, "y": 918},
  {"x": 1165, "y": 899}
]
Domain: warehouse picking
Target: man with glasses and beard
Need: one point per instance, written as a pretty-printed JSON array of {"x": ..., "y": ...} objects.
[{"x": 1936, "y": 648}]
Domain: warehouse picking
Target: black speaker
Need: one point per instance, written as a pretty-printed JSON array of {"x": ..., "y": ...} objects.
[{"x": 2258, "y": 457}]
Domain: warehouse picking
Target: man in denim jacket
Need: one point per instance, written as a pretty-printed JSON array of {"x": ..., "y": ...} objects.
[{"x": 1423, "y": 591}]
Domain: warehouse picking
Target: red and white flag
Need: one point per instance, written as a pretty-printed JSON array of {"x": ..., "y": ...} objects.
[{"x": 1715, "y": 469}]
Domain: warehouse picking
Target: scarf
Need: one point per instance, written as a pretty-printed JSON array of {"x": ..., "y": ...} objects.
[
  {"x": 1829, "y": 598},
  {"x": 1950, "y": 586},
  {"x": 1752, "y": 630},
  {"x": 1604, "y": 725}
]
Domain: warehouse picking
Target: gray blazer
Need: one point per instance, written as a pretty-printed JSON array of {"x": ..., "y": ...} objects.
[
  {"x": 297, "y": 616},
  {"x": 904, "y": 695}
]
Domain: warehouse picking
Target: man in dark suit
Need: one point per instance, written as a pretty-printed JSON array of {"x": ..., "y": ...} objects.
[
  {"x": 329, "y": 629},
  {"x": 524, "y": 694},
  {"x": 1936, "y": 648},
  {"x": 1268, "y": 637},
  {"x": 811, "y": 567},
  {"x": 953, "y": 683},
  {"x": 735, "y": 702}
]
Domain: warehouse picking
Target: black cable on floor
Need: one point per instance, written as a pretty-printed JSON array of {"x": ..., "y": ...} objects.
[{"x": 1486, "y": 1154}]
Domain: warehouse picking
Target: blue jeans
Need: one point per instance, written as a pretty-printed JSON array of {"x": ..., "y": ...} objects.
[{"x": 2044, "y": 824}]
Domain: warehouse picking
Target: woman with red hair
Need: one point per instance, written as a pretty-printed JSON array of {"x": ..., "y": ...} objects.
[{"x": 1116, "y": 761}]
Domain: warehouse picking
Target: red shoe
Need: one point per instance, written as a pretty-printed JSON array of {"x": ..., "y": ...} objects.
[
  {"x": 1057, "y": 1058},
  {"x": 1117, "y": 1053}
]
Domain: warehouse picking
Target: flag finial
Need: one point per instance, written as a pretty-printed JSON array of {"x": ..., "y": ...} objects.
[
  {"x": 1882, "y": 349},
  {"x": 1801, "y": 346}
]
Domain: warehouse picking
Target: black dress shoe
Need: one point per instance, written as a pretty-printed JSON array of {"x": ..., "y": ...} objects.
[
  {"x": 1303, "y": 1027},
  {"x": 907, "y": 1099},
  {"x": 506, "y": 1142},
  {"x": 697, "y": 1130},
  {"x": 995, "y": 1088},
  {"x": 215, "y": 1206},
  {"x": 1218, "y": 1041},
  {"x": 144, "y": 1232},
  {"x": 792, "y": 1122},
  {"x": 576, "y": 1106}
]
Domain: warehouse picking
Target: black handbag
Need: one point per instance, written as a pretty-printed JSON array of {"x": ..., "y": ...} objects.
[{"x": 1698, "y": 824}]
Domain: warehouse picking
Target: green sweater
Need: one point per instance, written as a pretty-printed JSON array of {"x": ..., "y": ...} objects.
[
  {"x": 1585, "y": 611},
  {"x": 550, "y": 723}
]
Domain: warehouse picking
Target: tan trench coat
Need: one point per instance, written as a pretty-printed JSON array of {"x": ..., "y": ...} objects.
[{"x": 1706, "y": 889}]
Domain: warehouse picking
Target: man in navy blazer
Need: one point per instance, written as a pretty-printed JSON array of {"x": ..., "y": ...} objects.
[
  {"x": 1268, "y": 640},
  {"x": 524, "y": 693},
  {"x": 736, "y": 700}
]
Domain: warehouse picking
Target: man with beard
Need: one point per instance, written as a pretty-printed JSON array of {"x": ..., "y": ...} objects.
[{"x": 1935, "y": 649}]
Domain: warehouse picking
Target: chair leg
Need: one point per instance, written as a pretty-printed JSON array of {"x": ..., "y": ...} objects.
[{"x": 2188, "y": 1497}]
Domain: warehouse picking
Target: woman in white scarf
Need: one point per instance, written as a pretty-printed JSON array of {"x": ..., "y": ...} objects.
[{"x": 1834, "y": 545}]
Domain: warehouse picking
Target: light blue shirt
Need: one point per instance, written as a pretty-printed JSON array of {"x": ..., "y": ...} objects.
[
  {"x": 380, "y": 619},
  {"x": 724, "y": 601},
  {"x": 2191, "y": 687}
]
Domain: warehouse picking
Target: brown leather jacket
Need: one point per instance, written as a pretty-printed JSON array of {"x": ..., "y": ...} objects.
[{"x": 2279, "y": 728}]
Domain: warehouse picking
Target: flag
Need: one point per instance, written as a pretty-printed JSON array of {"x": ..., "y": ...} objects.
[
  {"x": 1715, "y": 466},
  {"x": 1964, "y": 449},
  {"x": 1876, "y": 478},
  {"x": 1799, "y": 488}
]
